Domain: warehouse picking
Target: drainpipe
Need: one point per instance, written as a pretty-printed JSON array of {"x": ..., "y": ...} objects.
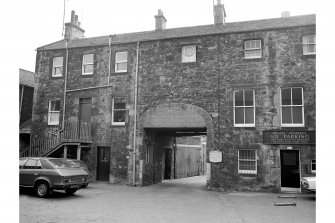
[
  {"x": 110, "y": 57},
  {"x": 135, "y": 116},
  {"x": 65, "y": 82}
]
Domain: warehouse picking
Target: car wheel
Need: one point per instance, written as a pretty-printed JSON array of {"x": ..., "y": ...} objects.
[
  {"x": 42, "y": 189},
  {"x": 70, "y": 191}
]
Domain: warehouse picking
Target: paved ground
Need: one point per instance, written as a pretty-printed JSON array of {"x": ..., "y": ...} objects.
[{"x": 184, "y": 200}]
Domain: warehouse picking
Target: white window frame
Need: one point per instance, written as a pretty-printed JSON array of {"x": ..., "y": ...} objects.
[
  {"x": 313, "y": 162},
  {"x": 50, "y": 122},
  {"x": 257, "y": 49},
  {"x": 281, "y": 109},
  {"x": 189, "y": 54},
  {"x": 305, "y": 44},
  {"x": 253, "y": 106},
  {"x": 54, "y": 67},
  {"x": 87, "y": 64},
  {"x": 125, "y": 110},
  {"x": 121, "y": 61},
  {"x": 253, "y": 160}
]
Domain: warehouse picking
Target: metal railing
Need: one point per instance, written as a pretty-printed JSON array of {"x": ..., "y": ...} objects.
[{"x": 72, "y": 131}]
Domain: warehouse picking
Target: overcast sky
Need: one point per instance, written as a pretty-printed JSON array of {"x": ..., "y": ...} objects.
[{"x": 40, "y": 21}]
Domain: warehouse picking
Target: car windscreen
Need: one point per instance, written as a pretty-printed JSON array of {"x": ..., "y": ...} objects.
[{"x": 59, "y": 163}]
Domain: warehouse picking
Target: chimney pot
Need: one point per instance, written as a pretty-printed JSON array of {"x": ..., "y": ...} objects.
[
  {"x": 285, "y": 14},
  {"x": 76, "y": 20},
  {"x": 73, "y": 13}
]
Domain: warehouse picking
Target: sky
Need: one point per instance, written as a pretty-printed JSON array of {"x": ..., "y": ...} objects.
[
  {"x": 40, "y": 22},
  {"x": 29, "y": 24}
]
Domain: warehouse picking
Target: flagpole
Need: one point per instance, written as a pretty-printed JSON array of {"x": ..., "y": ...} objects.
[{"x": 63, "y": 18}]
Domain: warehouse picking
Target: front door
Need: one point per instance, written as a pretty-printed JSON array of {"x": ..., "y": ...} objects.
[
  {"x": 103, "y": 163},
  {"x": 290, "y": 170},
  {"x": 85, "y": 107}
]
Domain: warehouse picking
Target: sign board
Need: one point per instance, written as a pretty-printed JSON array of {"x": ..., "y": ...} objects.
[
  {"x": 215, "y": 157},
  {"x": 289, "y": 137}
]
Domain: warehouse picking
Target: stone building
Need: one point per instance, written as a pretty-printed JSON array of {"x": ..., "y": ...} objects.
[{"x": 120, "y": 101}]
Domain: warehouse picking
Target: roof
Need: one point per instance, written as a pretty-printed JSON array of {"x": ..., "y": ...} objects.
[
  {"x": 235, "y": 27},
  {"x": 26, "y": 77}
]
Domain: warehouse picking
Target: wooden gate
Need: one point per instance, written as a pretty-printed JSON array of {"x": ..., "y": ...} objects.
[{"x": 188, "y": 162}]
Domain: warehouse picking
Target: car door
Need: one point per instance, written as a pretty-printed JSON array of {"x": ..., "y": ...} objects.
[{"x": 29, "y": 172}]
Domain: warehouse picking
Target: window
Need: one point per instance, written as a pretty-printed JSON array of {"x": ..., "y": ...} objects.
[
  {"x": 21, "y": 162},
  {"x": 247, "y": 161},
  {"x": 308, "y": 43},
  {"x": 188, "y": 54},
  {"x": 32, "y": 164},
  {"x": 292, "y": 107},
  {"x": 119, "y": 111},
  {"x": 57, "y": 67},
  {"x": 252, "y": 49},
  {"x": 313, "y": 166},
  {"x": 121, "y": 61},
  {"x": 244, "y": 108},
  {"x": 54, "y": 111},
  {"x": 87, "y": 64}
]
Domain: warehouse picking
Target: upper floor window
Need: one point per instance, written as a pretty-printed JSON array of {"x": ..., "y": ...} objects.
[
  {"x": 189, "y": 54},
  {"x": 121, "y": 61},
  {"x": 87, "y": 68},
  {"x": 54, "y": 112},
  {"x": 119, "y": 111},
  {"x": 253, "y": 49},
  {"x": 247, "y": 162},
  {"x": 292, "y": 107},
  {"x": 57, "y": 67},
  {"x": 244, "y": 108},
  {"x": 308, "y": 42}
]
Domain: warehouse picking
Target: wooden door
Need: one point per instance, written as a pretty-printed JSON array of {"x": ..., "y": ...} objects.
[
  {"x": 103, "y": 164},
  {"x": 290, "y": 168},
  {"x": 85, "y": 110}
]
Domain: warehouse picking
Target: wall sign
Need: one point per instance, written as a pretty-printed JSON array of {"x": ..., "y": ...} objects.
[
  {"x": 215, "y": 156},
  {"x": 289, "y": 137}
]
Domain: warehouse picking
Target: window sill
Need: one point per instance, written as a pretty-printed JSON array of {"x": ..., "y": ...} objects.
[
  {"x": 56, "y": 77},
  {"x": 118, "y": 124},
  {"x": 254, "y": 59},
  {"x": 244, "y": 126},
  {"x": 308, "y": 56},
  {"x": 293, "y": 125},
  {"x": 87, "y": 75},
  {"x": 119, "y": 73}
]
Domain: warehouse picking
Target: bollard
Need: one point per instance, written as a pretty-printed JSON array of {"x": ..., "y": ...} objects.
[{"x": 285, "y": 204}]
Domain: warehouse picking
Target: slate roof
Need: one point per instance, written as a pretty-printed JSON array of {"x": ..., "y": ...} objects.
[
  {"x": 26, "y": 77},
  {"x": 235, "y": 27}
]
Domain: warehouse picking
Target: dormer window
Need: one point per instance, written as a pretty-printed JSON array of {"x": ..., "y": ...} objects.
[
  {"x": 189, "y": 54},
  {"x": 253, "y": 49}
]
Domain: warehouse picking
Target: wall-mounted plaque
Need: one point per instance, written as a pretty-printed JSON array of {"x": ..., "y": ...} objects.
[
  {"x": 215, "y": 157},
  {"x": 289, "y": 137}
]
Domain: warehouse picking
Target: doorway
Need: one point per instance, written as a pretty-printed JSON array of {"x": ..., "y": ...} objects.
[
  {"x": 290, "y": 170},
  {"x": 103, "y": 164},
  {"x": 85, "y": 110}
]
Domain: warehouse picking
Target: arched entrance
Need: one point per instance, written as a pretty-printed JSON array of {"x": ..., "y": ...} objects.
[{"x": 160, "y": 155}]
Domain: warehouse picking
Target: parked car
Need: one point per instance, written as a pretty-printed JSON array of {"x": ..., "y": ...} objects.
[
  {"x": 46, "y": 174},
  {"x": 308, "y": 183},
  {"x": 81, "y": 164}
]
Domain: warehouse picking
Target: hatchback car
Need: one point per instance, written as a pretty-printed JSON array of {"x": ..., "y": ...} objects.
[
  {"x": 81, "y": 164},
  {"x": 46, "y": 174}
]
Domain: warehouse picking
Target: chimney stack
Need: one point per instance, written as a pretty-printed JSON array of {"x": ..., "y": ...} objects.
[
  {"x": 219, "y": 13},
  {"x": 285, "y": 14},
  {"x": 160, "y": 20},
  {"x": 73, "y": 29}
]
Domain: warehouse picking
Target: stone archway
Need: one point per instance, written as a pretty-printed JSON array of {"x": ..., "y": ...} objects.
[{"x": 177, "y": 116}]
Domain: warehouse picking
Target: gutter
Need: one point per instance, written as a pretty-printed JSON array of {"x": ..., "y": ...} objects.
[
  {"x": 110, "y": 57},
  {"x": 135, "y": 116}
]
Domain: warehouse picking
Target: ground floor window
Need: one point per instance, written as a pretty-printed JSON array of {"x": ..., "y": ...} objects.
[{"x": 247, "y": 162}]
